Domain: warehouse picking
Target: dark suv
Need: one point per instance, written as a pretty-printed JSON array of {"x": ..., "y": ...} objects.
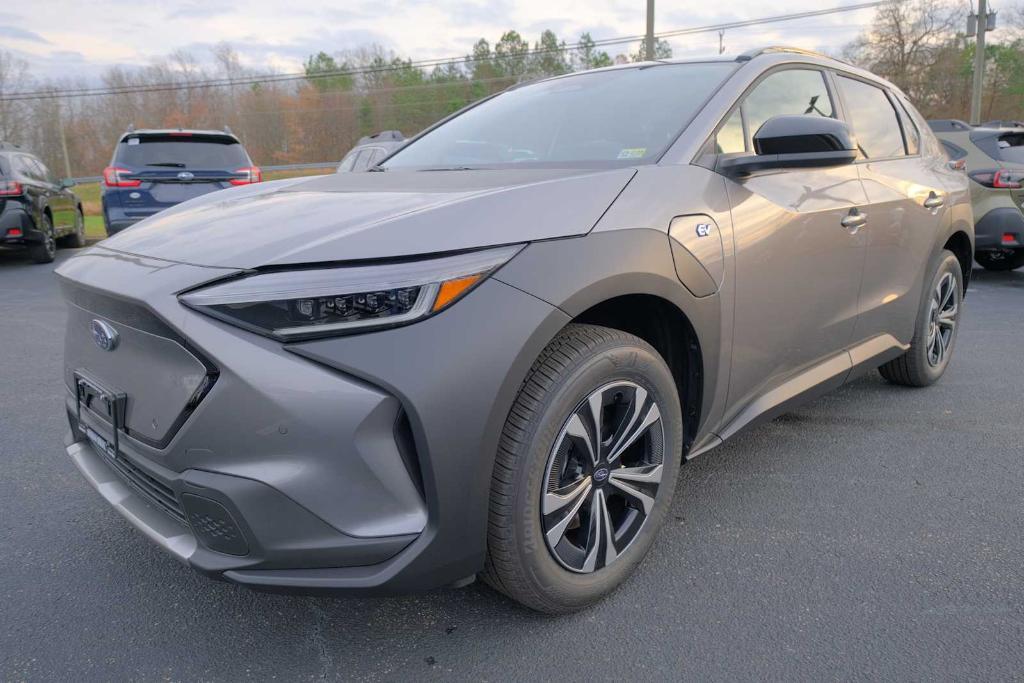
[
  {"x": 153, "y": 170},
  {"x": 36, "y": 210}
]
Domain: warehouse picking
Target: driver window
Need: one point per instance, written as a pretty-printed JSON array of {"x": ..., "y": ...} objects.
[{"x": 786, "y": 93}]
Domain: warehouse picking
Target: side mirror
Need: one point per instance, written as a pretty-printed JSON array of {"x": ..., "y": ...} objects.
[
  {"x": 795, "y": 142},
  {"x": 67, "y": 182}
]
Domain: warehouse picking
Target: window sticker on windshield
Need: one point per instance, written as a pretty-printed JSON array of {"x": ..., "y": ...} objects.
[
  {"x": 633, "y": 153},
  {"x": 133, "y": 141}
]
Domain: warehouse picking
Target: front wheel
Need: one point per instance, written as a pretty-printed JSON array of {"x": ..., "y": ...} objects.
[
  {"x": 1000, "y": 259},
  {"x": 76, "y": 240},
  {"x": 585, "y": 470},
  {"x": 938, "y": 322}
]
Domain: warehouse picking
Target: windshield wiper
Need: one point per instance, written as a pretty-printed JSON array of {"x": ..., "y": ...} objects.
[
  {"x": 454, "y": 168},
  {"x": 171, "y": 164},
  {"x": 376, "y": 169}
]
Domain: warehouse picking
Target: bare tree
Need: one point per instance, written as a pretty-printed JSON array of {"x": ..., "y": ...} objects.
[
  {"x": 14, "y": 115},
  {"x": 906, "y": 41}
]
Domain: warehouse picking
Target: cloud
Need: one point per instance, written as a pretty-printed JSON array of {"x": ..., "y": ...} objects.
[{"x": 15, "y": 33}]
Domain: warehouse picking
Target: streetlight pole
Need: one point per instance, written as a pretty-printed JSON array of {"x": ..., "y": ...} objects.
[
  {"x": 979, "y": 64},
  {"x": 649, "y": 42}
]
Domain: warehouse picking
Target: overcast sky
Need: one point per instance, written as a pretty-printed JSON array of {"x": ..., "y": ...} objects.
[{"x": 71, "y": 37}]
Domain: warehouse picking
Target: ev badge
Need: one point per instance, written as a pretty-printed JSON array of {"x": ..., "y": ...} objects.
[{"x": 703, "y": 229}]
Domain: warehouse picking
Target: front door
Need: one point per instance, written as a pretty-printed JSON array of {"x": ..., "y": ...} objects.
[{"x": 799, "y": 248}]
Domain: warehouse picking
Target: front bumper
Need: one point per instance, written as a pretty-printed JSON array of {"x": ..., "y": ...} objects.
[{"x": 357, "y": 462}]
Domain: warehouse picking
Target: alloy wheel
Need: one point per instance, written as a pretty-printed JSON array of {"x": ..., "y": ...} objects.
[
  {"x": 943, "y": 313},
  {"x": 602, "y": 476}
]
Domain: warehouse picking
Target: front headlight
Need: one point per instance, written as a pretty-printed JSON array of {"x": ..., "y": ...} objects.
[{"x": 300, "y": 304}]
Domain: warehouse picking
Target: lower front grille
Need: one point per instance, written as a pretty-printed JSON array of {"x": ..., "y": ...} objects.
[{"x": 151, "y": 489}]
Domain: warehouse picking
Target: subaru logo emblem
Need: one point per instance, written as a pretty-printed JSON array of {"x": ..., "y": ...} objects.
[
  {"x": 186, "y": 175},
  {"x": 601, "y": 474},
  {"x": 105, "y": 336}
]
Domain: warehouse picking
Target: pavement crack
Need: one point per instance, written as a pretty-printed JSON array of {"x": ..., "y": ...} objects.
[{"x": 319, "y": 640}]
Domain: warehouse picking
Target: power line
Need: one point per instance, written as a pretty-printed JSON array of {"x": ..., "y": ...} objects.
[{"x": 50, "y": 93}]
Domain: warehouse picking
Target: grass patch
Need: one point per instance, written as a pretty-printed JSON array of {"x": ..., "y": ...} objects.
[{"x": 94, "y": 229}]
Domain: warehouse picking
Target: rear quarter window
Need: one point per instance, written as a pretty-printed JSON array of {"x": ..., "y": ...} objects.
[
  {"x": 182, "y": 152},
  {"x": 1011, "y": 148}
]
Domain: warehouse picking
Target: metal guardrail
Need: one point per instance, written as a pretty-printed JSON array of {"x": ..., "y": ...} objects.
[{"x": 279, "y": 167}]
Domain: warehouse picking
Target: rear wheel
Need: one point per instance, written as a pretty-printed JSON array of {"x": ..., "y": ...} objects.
[
  {"x": 46, "y": 250},
  {"x": 1000, "y": 259},
  {"x": 76, "y": 240},
  {"x": 938, "y": 321},
  {"x": 585, "y": 470}
]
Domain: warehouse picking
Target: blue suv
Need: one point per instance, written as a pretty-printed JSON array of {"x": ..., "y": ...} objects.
[{"x": 153, "y": 170}]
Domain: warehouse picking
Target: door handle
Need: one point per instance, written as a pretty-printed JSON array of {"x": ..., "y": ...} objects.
[
  {"x": 934, "y": 201},
  {"x": 854, "y": 220}
]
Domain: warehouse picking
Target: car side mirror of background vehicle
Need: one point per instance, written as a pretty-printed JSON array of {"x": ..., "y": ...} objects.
[
  {"x": 67, "y": 182},
  {"x": 795, "y": 142}
]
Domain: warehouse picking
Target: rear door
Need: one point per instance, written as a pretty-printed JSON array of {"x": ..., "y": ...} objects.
[
  {"x": 909, "y": 205},
  {"x": 175, "y": 167},
  {"x": 61, "y": 202},
  {"x": 798, "y": 267}
]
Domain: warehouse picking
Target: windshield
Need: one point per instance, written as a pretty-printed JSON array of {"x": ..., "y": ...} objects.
[
  {"x": 182, "y": 152},
  {"x": 617, "y": 117}
]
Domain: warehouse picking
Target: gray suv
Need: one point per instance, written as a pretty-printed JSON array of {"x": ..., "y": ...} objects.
[{"x": 493, "y": 356}]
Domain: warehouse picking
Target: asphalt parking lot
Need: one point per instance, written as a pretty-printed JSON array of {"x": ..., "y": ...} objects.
[{"x": 876, "y": 533}]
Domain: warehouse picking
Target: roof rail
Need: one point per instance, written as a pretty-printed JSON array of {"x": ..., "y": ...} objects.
[
  {"x": 774, "y": 49},
  {"x": 8, "y": 145}
]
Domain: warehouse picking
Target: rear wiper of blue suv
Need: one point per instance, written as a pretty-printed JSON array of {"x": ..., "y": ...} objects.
[{"x": 172, "y": 164}]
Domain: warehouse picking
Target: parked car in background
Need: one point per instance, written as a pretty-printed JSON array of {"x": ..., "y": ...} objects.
[
  {"x": 153, "y": 170},
  {"x": 371, "y": 150},
  {"x": 37, "y": 211},
  {"x": 494, "y": 357},
  {"x": 1002, "y": 124},
  {"x": 994, "y": 161}
]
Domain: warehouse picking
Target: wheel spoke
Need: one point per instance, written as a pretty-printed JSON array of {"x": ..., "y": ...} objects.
[
  {"x": 595, "y": 532},
  {"x": 577, "y": 429},
  {"x": 563, "y": 506},
  {"x": 636, "y": 426},
  {"x": 626, "y": 479},
  {"x": 946, "y": 289}
]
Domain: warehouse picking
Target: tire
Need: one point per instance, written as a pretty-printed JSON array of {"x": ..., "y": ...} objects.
[
  {"x": 1000, "y": 259},
  {"x": 938, "y": 320},
  {"x": 631, "y": 379},
  {"x": 45, "y": 251},
  {"x": 75, "y": 240}
]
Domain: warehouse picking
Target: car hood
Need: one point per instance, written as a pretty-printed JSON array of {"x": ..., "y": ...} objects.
[{"x": 353, "y": 216}]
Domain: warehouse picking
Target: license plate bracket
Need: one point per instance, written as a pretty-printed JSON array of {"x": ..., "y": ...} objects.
[{"x": 108, "y": 405}]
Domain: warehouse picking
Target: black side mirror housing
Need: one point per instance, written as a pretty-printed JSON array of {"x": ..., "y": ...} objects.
[{"x": 795, "y": 142}]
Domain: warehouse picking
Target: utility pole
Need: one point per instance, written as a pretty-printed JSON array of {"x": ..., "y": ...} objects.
[
  {"x": 63, "y": 139},
  {"x": 649, "y": 41},
  {"x": 979, "y": 64}
]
